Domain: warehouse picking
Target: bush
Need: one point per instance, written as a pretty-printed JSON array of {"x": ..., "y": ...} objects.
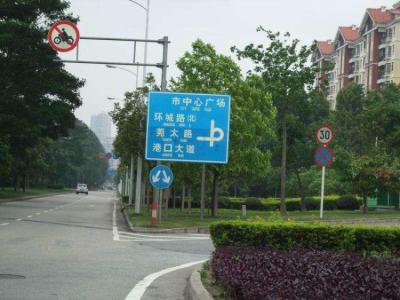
[
  {"x": 284, "y": 236},
  {"x": 125, "y": 199},
  {"x": 56, "y": 186},
  {"x": 250, "y": 273},
  {"x": 348, "y": 202},
  {"x": 253, "y": 203}
]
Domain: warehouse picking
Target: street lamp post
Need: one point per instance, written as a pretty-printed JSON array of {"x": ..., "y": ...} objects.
[{"x": 139, "y": 158}]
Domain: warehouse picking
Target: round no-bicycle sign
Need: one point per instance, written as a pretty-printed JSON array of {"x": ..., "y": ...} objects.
[
  {"x": 63, "y": 36},
  {"x": 325, "y": 135}
]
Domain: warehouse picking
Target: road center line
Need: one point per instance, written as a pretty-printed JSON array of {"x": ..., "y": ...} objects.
[
  {"x": 29, "y": 216},
  {"x": 140, "y": 288},
  {"x": 4, "y": 224},
  {"x": 18, "y": 219}
]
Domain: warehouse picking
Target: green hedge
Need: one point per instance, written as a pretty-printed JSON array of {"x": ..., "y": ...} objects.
[
  {"x": 283, "y": 236},
  {"x": 346, "y": 202}
]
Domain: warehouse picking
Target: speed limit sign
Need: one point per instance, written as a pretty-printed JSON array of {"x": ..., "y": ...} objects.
[{"x": 325, "y": 135}]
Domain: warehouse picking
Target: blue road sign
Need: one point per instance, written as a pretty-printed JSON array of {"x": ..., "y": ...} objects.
[
  {"x": 161, "y": 177},
  {"x": 323, "y": 156},
  {"x": 188, "y": 127}
]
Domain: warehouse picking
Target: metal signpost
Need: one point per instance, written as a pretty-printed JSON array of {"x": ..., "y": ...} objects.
[
  {"x": 324, "y": 156},
  {"x": 188, "y": 127}
]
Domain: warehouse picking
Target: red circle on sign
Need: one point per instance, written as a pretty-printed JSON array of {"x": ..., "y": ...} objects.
[
  {"x": 320, "y": 139},
  {"x": 328, "y": 160},
  {"x": 54, "y": 27}
]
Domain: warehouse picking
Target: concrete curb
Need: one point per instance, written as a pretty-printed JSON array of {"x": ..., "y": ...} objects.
[
  {"x": 30, "y": 197},
  {"x": 195, "y": 289},
  {"x": 162, "y": 230}
]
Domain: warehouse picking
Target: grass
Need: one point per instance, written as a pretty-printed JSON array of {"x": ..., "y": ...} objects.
[
  {"x": 9, "y": 193},
  {"x": 175, "y": 218}
]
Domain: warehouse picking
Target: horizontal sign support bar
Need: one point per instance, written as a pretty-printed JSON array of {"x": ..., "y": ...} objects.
[
  {"x": 160, "y": 65},
  {"x": 160, "y": 41}
]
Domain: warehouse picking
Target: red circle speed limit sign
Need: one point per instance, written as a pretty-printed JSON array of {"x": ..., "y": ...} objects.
[
  {"x": 325, "y": 135},
  {"x": 63, "y": 36}
]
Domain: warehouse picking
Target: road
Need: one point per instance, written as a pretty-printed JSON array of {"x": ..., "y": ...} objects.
[{"x": 78, "y": 247}]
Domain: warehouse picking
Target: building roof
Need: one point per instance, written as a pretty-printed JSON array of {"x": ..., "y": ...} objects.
[
  {"x": 380, "y": 15},
  {"x": 349, "y": 33},
  {"x": 325, "y": 47}
]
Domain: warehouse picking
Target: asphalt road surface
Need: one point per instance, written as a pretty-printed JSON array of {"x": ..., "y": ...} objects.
[{"x": 78, "y": 247}]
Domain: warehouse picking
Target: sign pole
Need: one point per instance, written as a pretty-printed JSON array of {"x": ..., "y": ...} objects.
[
  {"x": 131, "y": 182},
  {"x": 203, "y": 191},
  {"x": 321, "y": 214}
]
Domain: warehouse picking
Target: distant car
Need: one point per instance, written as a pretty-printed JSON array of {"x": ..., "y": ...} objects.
[{"x": 82, "y": 188}]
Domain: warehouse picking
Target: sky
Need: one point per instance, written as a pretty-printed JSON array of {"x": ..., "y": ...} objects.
[{"x": 222, "y": 23}]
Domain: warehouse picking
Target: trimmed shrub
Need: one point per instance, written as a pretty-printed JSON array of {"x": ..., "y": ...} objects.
[
  {"x": 253, "y": 203},
  {"x": 348, "y": 202},
  {"x": 125, "y": 199},
  {"x": 223, "y": 202},
  {"x": 284, "y": 236},
  {"x": 56, "y": 186},
  {"x": 252, "y": 274}
]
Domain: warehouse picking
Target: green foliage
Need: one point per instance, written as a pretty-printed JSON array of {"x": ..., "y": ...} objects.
[
  {"x": 348, "y": 202},
  {"x": 284, "y": 236},
  {"x": 37, "y": 96},
  {"x": 286, "y": 74}
]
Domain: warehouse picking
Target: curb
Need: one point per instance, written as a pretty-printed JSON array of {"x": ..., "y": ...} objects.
[
  {"x": 30, "y": 197},
  {"x": 195, "y": 289},
  {"x": 163, "y": 230}
]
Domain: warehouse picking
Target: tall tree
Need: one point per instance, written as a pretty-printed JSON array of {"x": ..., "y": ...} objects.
[
  {"x": 38, "y": 96},
  {"x": 284, "y": 66},
  {"x": 203, "y": 70}
]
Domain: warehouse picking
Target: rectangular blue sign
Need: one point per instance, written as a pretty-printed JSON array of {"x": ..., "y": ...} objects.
[{"x": 188, "y": 127}]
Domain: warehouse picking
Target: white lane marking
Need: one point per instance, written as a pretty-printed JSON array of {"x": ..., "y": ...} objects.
[
  {"x": 38, "y": 213},
  {"x": 46, "y": 211},
  {"x": 18, "y": 219},
  {"x": 29, "y": 216},
  {"x": 115, "y": 228},
  {"x": 150, "y": 240},
  {"x": 128, "y": 237},
  {"x": 140, "y": 288},
  {"x": 4, "y": 224},
  {"x": 164, "y": 236}
]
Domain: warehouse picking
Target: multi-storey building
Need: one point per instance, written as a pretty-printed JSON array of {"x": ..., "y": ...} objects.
[
  {"x": 367, "y": 55},
  {"x": 101, "y": 126}
]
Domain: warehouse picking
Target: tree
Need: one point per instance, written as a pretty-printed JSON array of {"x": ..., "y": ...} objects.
[
  {"x": 38, "y": 96},
  {"x": 367, "y": 134},
  {"x": 286, "y": 72},
  {"x": 205, "y": 71}
]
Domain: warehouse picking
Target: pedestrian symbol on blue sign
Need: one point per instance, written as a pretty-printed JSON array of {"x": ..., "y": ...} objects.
[
  {"x": 161, "y": 177},
  {"x": 188, "y": 127}
]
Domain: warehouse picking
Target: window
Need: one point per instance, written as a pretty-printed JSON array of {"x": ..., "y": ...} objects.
[
  {"x": 392, "y": 66},
  {"x": 389, "y": 52}
]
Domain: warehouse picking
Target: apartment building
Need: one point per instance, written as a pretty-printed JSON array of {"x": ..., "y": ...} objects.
[{"x": 367, "y": 55}]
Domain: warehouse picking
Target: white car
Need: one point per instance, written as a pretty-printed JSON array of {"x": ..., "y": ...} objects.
[{"x": 82, "y": 188}]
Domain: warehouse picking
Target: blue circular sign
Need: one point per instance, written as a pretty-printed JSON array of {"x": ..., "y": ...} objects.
[
  {"x": 161, "y": 177},
  {"x": 323, "y": 156}
]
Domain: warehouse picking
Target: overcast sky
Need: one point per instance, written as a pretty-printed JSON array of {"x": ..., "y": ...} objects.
[{"x": 223, "y": 23}]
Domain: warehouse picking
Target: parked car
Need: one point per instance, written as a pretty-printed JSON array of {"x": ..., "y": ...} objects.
[{"x": 82, "y": 188}]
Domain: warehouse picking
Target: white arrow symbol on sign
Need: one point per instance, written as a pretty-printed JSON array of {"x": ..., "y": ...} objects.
[
  {"x": 166, "y": 178},
  {"x": 212, "y": 138},
  {"x": 156, "y": 178}
]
